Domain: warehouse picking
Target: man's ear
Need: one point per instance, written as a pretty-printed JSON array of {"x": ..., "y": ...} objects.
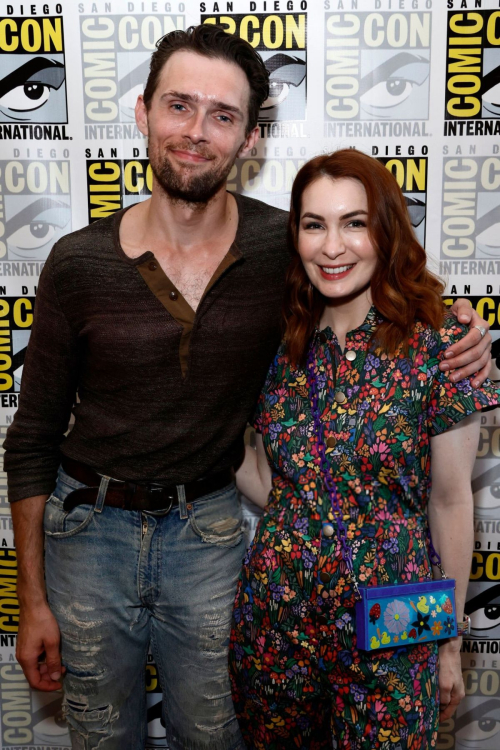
[
  {"x": 141, "y": 115},
  {"x": 249, "y": 142}
]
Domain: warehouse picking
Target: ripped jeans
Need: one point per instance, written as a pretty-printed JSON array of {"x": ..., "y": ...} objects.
[{"x": 119, "y": 582}]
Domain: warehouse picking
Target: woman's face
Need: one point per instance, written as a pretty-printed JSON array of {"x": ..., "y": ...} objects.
[{"x": 333, "y": 240}]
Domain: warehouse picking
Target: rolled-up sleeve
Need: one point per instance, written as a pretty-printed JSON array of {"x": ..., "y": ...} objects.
[{"x": 48, "y": 392}]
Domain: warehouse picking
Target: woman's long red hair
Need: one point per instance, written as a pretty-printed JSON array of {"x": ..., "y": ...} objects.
[{"x": 402, "y": 288}]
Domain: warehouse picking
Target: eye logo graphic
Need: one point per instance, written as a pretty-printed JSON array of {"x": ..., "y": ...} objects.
[
  {"x": 32, "y": 86},
  {"x": 395, "y": 89},
  {"x": 483, "y": 607},
  {"x": 368, "y": 76},
  {"x": 34, "y": 222},
  {"x": 287, "y": 88},
  {"x": 280, "y": 39},
  {"x": 477, "y": 723}
]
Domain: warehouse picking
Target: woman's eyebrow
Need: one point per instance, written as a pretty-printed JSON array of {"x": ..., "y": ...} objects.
[
  {"x": 354, "y": 213},
  {"x": 309, "y": 215}
]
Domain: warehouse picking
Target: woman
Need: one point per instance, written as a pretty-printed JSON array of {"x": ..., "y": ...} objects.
[{"x": 365, "y": 322}]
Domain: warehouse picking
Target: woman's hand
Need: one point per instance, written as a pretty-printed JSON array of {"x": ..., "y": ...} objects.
[
  {"x": 451, "y": 683},
  {"x": 472, "y": 354}
]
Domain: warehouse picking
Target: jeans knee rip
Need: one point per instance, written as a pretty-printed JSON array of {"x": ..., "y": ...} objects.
[
  {"x": 226, "y": 736},
  {"x": 90, "y": 727}
]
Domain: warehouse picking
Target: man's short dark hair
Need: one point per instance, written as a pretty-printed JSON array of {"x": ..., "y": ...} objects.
[{"x": 210, "y": 40}]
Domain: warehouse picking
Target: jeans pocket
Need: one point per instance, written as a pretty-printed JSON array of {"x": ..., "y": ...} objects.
[
  {"x": 60, "y": 523},
  {"x": 217, "y": 518}
]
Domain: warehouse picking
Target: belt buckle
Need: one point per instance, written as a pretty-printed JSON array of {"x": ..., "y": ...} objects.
[{"x": 161, "y": 511}]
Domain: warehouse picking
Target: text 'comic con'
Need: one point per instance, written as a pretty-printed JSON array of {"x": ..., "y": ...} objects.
[{"x": 415, "y": 83}]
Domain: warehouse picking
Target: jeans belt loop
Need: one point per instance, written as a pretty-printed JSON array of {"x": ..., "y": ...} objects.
[
  {"x": 101, "y": 496},
  {"x": 181, "y": 495}
]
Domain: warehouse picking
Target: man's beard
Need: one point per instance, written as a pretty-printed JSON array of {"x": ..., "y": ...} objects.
[{"x": 197, "y": 189}]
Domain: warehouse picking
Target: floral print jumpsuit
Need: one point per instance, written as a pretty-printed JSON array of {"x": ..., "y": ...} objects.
[{"x": 296, "y": 674}]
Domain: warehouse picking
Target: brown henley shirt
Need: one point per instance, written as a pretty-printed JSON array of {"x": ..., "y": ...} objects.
[{"x": 164, "y": 393}]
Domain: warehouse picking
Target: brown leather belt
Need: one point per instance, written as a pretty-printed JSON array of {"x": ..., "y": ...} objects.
[{"x": 152, "y": 498}]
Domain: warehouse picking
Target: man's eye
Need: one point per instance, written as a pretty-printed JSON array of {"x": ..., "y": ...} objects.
[
  {"x": 27, "y": 97},
  {"x": 33, "y": 235},
  {"x": 388, "y": 93}
]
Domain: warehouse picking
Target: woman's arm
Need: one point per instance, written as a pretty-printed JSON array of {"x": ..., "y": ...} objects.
[
  {"x": 253, "y": 478},
  {"x": 451, "y": 523}
]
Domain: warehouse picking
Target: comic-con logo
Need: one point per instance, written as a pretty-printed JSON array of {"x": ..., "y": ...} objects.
[
  {"x": 32, "y": 83},
  {"x": 377, "y": 66},
  {"x": 476, "y": 724},
  {"x": 411, "y": 175},
  {"x": 35, "y": 207},
  {"x": 113, "y": 184},
  {"x": 16, "y": 318},
  {"x": 471, "y": 213},
  {"x": 116, "y": 52},
  {"x": 269, "y": 180},
  {"x": 281, "y": 40},
  {"x": 29, "y": 717},
  {"x": 473, "y": 73}
]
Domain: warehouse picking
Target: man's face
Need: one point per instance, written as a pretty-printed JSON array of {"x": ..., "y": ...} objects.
[{"x": 196, "y": 125}]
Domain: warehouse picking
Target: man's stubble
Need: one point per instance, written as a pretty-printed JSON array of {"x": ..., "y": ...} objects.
[{"x": 194, "y": 190}]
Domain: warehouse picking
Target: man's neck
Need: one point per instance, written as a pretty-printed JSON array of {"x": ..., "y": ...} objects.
[{"x": 181, "y": 226}]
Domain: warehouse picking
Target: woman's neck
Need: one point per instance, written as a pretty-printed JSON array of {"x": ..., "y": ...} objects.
[{"x": 346, "y": 315}]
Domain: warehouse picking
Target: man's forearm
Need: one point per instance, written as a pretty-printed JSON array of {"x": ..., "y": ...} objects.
[{"x": 27, "y": 517}]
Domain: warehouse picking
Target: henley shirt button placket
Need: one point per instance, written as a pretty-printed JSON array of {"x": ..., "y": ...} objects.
[
  {"x": 173, "y": 296},
  {"x": 152, "y": 265}
]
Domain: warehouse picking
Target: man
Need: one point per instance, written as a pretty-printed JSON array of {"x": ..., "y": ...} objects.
[{"x": 164, "y": 319}]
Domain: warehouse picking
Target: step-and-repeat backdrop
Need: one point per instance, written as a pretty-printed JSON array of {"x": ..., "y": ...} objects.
[{"x": 415, "y": 83}]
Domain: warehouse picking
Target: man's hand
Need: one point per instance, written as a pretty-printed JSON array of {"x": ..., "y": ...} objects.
[
  {"x": 472, "y": 354},
  {"x": 38, "y": 637},
  {"x": 451, "y": 684}
]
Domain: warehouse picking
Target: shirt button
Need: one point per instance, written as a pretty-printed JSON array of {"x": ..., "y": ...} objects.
[
  {"x": 351, "y": 355},
  {"x": 152, "y": 265},
  {"x": 340, "y": 397},
  {"x": 331, "y": 442},
  {"x": 173, "y": 295},
  {"x": 324, "y": 577},
  {"x": 328, "y": 529}
]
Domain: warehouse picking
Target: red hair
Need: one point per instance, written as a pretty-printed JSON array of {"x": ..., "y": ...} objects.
[{"x": 402, "y": 288}]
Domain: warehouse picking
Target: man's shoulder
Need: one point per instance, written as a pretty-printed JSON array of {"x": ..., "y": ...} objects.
[
  {"x": 262, "y": 230},
  {"x": 87, "y": 240},
  {"x": 262, "y": 211}
]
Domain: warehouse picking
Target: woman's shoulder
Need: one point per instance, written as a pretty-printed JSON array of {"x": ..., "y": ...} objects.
[{"x": 432, "y": 341}]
